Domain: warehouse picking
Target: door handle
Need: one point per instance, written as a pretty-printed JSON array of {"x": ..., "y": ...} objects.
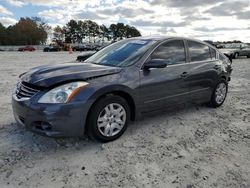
[{"x": 184, "y": 74}]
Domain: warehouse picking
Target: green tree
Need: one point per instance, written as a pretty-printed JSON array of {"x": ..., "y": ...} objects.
[
  {"x": 3, "y": 35},
  {"x": 58, "y": 33},
  {"x": 71, "y": 31},
  {"x": 33, "y": 31},
  {"x": 91, "y": 29},
  {"x": 121, "y": 31},
  {"x": 43, "y": 27},
  {"x": 26, "y": 32},
  {"x": 82, "y": 29},
  {"x": 104, "y": 32},
  {"x": 132, "y": 32}
]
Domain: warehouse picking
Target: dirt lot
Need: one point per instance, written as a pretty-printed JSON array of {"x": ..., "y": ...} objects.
[{"x": 195, "y": 146}]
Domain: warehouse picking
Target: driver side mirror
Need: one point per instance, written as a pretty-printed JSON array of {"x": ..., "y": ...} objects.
[{"x": 155, "y": 63}]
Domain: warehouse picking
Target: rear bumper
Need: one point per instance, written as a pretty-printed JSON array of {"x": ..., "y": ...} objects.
[{"x": 53, "y": 120}]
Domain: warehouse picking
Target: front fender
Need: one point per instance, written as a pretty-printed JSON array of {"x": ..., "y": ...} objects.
[{"x": 115, "y": 88}]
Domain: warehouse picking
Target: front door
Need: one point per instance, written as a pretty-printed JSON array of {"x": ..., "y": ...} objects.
[{"x": 162, "y": 86}]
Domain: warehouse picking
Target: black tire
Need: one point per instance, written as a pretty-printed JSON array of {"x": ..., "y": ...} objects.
[
  {"x": 248, "y": 56},
  {"x": 213, "y": 102},
  {"x": 92, "y": 127},
  {"x": 236, "y": 55}
]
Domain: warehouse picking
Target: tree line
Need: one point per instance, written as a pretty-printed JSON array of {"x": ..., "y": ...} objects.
[
  {"x": 77, "y": 31},
  {"x": 27, "y": 31},
  {"x": 34, "y": 31}
]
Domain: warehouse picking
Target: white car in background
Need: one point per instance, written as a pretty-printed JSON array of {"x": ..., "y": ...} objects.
[{"x": 236, "y": 50}]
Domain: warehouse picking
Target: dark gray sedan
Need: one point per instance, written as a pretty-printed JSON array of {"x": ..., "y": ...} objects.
[{"x": 118, "y": 84}]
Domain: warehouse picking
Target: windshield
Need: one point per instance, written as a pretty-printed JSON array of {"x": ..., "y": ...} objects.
[{"x": 121, "y": 54}]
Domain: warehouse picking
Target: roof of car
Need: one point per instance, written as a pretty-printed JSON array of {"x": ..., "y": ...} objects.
[
  {"x": 163, "y": 38},
  {"x": 153, "y": 37}
]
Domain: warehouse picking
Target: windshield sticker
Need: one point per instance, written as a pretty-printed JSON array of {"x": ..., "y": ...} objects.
[{"x": 142, "y": 42}]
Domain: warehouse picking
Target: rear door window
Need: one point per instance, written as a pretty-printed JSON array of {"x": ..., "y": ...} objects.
[
  {"x": 173, "y": 52},
  {"x": 199, "y": 51}
]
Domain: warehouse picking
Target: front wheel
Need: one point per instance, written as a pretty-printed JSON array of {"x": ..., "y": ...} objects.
[
  {"x": 108, "y": 118},
  {"x": 219, "y": 94}
]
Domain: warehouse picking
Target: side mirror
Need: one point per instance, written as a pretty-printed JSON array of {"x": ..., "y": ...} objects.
[{"x": 155, "y": 63}]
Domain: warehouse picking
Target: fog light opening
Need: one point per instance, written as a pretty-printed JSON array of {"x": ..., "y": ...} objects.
[{"x": 44, "y": 126}]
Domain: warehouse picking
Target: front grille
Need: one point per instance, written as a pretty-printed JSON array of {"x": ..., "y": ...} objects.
[{"x": 25, "y": 90}]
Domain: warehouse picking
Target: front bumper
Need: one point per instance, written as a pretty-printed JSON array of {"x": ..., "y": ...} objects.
[{"x": 53, "y": 120}]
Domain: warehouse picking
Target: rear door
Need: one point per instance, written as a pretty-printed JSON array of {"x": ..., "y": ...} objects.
[
  {"x": 203, "y": 70},
  {"x": 168, "y": 85}
]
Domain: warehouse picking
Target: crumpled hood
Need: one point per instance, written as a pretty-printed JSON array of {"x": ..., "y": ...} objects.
[{"x": 46, "y": 76}]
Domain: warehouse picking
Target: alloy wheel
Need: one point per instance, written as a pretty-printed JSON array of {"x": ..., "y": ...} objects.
[
  {"x": 111, "y": 119},
  {"x": 220, "y": 93}
]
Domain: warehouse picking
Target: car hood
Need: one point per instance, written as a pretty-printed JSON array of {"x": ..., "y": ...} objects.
[
  {"x": 46, "y": 76},
  {"x": 225, "y": 50}
]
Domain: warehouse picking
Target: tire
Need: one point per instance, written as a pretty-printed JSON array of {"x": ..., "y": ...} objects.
[
  {"x": 236, "y": 55},
  {"x": 248, "y": 56},
  {"x": 219, "y": 94},
  {"x": 105, "y": 126}
]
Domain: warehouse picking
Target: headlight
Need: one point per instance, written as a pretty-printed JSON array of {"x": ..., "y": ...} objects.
[{"x": 62, "y": 94}]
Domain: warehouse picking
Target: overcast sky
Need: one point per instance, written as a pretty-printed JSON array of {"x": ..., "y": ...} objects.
[{"x": 203, "y": 19}]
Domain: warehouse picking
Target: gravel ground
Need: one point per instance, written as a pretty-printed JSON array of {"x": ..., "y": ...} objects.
[{"x": 193, "y": 146}]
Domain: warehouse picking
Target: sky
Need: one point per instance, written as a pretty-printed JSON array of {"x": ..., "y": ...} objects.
[{"x": 216, "y": 20}]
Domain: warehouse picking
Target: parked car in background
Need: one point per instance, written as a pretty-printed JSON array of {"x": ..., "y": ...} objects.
[
  {"x": 99, "y": 47},
  {"x": 79, "y": 48},
  {"x": 85, "y": 47},
  {"x": 220, "y": 46},
  {"x": 236, "y": 50},
  {"x": 26, "y": 48},
  {"x": 90, "y": 47},
  {"x": 118, "y": 84},
  {"x": 52, "y": 49},
  {"x": 85, "y": 56}
]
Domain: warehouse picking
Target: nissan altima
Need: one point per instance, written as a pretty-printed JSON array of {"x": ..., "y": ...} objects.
[{"x": 118, "y": 84}]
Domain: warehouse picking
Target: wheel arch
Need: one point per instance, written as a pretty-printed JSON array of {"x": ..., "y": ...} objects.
[
  {"x": 118, "y": 91},
  {"x": 224, "y": 77}
]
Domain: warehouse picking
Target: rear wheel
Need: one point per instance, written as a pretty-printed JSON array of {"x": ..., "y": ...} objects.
[
  {"x": 108, "y": 118},
  {"x": 248, "y": 56},
  {"x": 219, "y": 93},
  {"x": 236, "y": 55}
]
